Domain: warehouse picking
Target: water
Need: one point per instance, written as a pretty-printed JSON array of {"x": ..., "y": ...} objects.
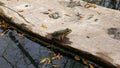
[
  {"x": 13, "y": 55},
  {"x": 21, "y": 52},
  {"x": 114, "y": 4}
]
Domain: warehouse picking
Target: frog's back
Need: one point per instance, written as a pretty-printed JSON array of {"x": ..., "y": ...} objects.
[{"x": 57, "y": 33}]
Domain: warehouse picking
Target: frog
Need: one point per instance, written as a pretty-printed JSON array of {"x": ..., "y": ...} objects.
[{"x": 60, "y": 34}]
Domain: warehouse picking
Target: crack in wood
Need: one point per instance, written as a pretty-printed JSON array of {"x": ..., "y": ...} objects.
[{"x": 17, "y": 13}]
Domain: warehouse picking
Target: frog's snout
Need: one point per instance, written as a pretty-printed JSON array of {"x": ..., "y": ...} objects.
[{"x": 69, "y": 30}]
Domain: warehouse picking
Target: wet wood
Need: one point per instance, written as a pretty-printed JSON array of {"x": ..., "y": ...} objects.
[{"x": 95, "y": 29}]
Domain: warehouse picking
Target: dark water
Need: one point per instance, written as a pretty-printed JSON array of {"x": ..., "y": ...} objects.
[
  {"x": 21, "y": 52},
  {"x": 114, "y": 4},
  {"x": 12, "y": 55}
]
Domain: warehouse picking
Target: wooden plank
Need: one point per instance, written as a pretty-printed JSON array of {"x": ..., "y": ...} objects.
[{"x": 95, "y": 29}]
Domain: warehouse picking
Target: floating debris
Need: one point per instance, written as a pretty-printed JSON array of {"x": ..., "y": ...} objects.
[
  {"x": 84, "y": 62},
  {"x": 20, "y": 34},
  {"x": 90, "y": 0},
  {"x": 58, "y": 56},
  {"x": 56, "y": 66},
  {"x": 3, "y": 33},
  {"x": 45, "y": 60},
  {"x": 91, "y": 66},
  {"x": 76, "y": 57},
  {"x": 3, "y": 24}
]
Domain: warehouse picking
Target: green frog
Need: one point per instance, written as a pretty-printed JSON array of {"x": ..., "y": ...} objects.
[{"x": 59, "y": 35}]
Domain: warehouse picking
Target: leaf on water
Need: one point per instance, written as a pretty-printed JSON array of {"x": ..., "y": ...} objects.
[
  {"x": 20, "y": 34},
  {"x": 3, "y": 33},
  {"x": 91, "y": 66},
  {"x": 58, "y": 56},
  {"x": 84, "y": 62},
  {"x": 56, "y": 66},
  {"x": 3, "y": 24},
  {"x": 45, "y": 60},
  {"x": 76, "y": 57},
  {"x": 43, "y": 26},
  {"x": 90, "y": 0},
  {"x": 51, "y": 52}
]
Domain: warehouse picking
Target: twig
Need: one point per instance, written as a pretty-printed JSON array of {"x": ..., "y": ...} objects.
[{"x": 8, "y": 62}]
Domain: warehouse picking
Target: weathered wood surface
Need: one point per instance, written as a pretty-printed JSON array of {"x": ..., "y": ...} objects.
[{"x": 94, "y": 30}]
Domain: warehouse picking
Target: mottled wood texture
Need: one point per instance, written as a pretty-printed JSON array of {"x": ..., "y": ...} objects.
[{"x": 95, "y": 29}]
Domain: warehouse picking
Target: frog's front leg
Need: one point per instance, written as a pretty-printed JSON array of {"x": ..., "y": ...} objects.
[{"x": 62, "y": 37}]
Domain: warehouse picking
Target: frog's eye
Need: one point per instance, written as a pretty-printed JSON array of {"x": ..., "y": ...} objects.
[{"x": 68, "y": 30}]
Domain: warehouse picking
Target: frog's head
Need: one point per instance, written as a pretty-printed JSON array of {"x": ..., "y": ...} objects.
[{"x": 67, "y": 31}]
